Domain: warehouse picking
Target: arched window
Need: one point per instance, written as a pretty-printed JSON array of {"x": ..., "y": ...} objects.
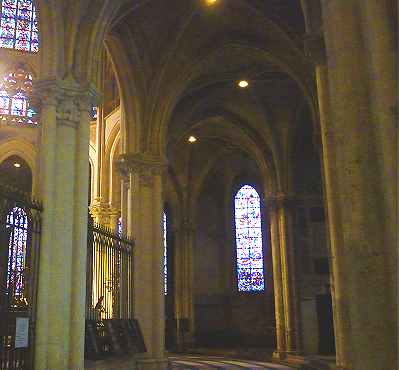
[
  {"x": 18, "y": 26},
  {"x": 165, "y": 252},
  {"x": 248, "y": 228},
  {"x": 17, "y": 225},
  {"x": 15, "y": 93}
]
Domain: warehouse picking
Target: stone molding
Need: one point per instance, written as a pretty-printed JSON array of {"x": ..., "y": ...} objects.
[
  {"x": 70, "y": 99},
  {"x": 280, "y": 200},
  {"x": 145, "y": 165}
]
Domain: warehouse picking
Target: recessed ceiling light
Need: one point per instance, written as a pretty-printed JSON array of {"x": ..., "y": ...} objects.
[
  {"x": 16, "y": 164},
  {"x": 243, "y": 83},
  {"x": 210, "y": 2},
  {"x": 192, "y": 139}
]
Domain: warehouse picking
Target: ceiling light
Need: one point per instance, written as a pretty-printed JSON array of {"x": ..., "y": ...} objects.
[
  {"x": 243, "y": 83},
  {"x": 210, "y": 2},
  {"x": 192, "y": 139},
  {"x": 16, "y": 164}
]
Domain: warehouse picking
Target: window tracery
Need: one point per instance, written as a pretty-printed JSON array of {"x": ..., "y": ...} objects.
[
  {"x": 15, "y": 98},
  {"x": 248, "y": 230},
  {"x": 18, "y": 26}
]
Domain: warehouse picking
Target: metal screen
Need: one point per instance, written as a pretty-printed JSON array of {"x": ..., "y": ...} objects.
[{"x": 109, "y": 274}]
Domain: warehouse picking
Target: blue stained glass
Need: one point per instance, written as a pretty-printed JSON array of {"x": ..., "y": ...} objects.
[
  {"x": 19, "y": 105},
  {"x": 4, "y": 102},
  {"x": 18, "y": 25},
  {"x": 119, "y": 227},
  {"x": 15, "y": 93},
  {"x": 248, "y": 227}
]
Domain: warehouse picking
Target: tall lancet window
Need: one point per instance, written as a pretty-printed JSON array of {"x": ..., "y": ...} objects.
[
  {"x": 18, "y": 26},
  {"x": 17, "y": 226},
  {"x": 165, "y": 252},
  {"x": 248, "y": 228}
]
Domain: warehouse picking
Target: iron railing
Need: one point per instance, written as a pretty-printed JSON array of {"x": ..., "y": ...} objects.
[
  {"x": 20, "y": 230},
  {"x": 109, "y": 274}
]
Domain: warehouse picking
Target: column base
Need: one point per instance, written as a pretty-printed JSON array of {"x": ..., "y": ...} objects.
[
  {"x": 152, "y": 364},
  {"x": 287, "y": 355},
  {"x": 278, "y": 355},
  {"x": 309, "y": 362}
]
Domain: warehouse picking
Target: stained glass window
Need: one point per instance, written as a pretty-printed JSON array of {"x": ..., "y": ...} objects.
[
  {"x": 18, "y": 26},
  {"x": 119, "y": 229},
  {"x": 165, "y": 252},
  {"x": 248, "y": 227},
  {"x": 93, "y": 113},
  {"x": 15, "y": 98},
  {"x": 17, "y": 224}
]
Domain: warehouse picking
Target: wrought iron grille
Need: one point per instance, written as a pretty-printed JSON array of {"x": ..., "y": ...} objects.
[
  {"x": 20, "y": 229},
  {"x": 109, "y": 274}
]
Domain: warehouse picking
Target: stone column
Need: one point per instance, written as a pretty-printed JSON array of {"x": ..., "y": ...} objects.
[
  {"x": 125, "y": 184},
  {"x": 184, "y": 299},
  {"x": 100, "y": 149},
  {"x": 315, "y": 48},
  {"x": 280, "y": 351},
  {"x": 64, "y": 181},
  {"x": 145, "y": 225},
  {"x": 291, "y": 309},
  {"x": 100, "y": 208},
  {"x": 358, "y": 123},
  {"x": 285, "y": 287}
]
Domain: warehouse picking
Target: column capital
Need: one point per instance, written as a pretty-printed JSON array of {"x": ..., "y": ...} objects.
[
  {"x": 67, "y": 96},
  {"x": 102, "y": 212},
  {"x": 279, "y": 200},
  {"x": 144, "y": 164},
  {"x": 315, "y": 48}
]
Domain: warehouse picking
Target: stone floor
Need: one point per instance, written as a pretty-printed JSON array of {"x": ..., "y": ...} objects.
[
  {"x": 111, "y": 364},
  {"x": 189, "y": 362},
  {"x": 203, "y": 362}
]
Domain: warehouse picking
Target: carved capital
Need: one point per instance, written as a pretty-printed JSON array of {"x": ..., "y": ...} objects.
[
  {"x": 145, "y": 165},
  {"x": 102, "y": 212},
  {"x": 69, "y": 99},
  {"x": 315, "y": 49}
]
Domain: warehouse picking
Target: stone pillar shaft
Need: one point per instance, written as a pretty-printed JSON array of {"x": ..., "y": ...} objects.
[
  {"x": 61, "y": 291},
  {"x": 360, "y": 157},
  {"x": 145, "y": 226},
  {"x": 79, "y": 252},
  {"x": 288, "y": 278},
  {"x": 286, "y": 305},
  {"x": 100, "y": 148},
  {"x": 184, "y": 282},
  {"x": 278, "y": 282}
]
